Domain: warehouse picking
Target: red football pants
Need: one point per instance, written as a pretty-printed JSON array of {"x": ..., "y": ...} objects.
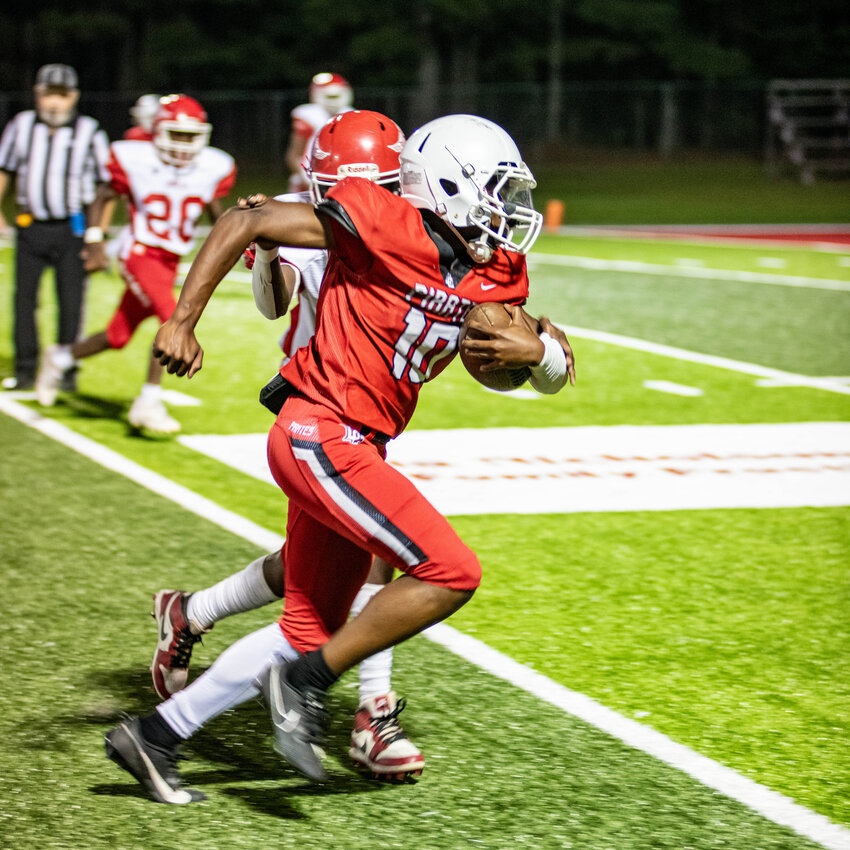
[
  {"x": 149, "y": 275},
  {"x": 347, "y": 503}
]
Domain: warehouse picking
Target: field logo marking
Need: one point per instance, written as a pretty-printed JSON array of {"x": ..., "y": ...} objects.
[{"x": 770, "y": 804}]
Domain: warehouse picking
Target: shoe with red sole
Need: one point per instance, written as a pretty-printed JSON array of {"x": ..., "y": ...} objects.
[
  {"x": 378, "y": 742},
  {"x": 170, "y": 665}
]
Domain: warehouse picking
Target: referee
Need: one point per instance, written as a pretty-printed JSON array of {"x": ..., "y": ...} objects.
[{"x": 58, "y": 158}]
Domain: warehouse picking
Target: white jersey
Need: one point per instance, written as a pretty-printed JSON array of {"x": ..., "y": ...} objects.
[
  {"x": 307, "y": 120},
  {"x": 165, "y": 201},
  {"x": 309, "y": 265}
]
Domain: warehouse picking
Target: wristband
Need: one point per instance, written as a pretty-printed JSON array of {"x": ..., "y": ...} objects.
[
  {"x": 550, "y": 374},
  {"x": 93, "y": 235}
]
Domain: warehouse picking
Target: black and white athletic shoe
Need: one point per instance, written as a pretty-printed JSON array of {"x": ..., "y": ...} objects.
[
  {"x": 299, "y": 720},
  {"x": 153, "y": 766}
]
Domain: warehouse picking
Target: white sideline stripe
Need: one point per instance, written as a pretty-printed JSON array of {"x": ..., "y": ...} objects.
[
  {"x": 833, "y": 385},
  {"x": 770, "y": 804},
  {"x": 159, "y": 484},
  {"x": 635, "y": 267}
]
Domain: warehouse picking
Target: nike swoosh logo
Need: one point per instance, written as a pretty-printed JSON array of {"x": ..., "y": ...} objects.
[
  {"x": 287, "y": 720},
  {"x": 165, "y": 630},
  {"x": 360, "y": 740},
  {"x": 486, "y": 286}
]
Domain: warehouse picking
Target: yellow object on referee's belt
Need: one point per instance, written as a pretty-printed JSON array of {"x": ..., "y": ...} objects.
[{"x": 23, "y": 219}]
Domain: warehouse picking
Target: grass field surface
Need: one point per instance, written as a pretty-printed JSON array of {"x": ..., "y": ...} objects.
[{"x": 725, "y": 630}]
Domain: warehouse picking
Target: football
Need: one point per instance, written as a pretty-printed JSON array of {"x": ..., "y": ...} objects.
[{"x": 495, "y": 315}]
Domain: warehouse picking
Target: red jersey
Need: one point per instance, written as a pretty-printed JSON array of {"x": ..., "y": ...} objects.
[
  {"x": 138, "y": 134},
  {"x": 387, "y": 319}
]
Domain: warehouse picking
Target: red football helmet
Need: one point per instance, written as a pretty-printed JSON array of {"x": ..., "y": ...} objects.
[
  {"x": 180, "y": 129},
  {"x": 354, "y": 144},
  {"x": 331, "y": 91}
]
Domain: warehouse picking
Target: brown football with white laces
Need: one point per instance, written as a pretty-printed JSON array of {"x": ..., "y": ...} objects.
[{"x": 496, "y": 315}]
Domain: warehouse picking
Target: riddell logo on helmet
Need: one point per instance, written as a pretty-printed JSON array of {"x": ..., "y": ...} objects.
[{"x": 358, "y": 169}]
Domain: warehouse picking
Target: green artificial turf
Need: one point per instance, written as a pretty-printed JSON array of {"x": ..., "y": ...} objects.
[
  {"x": 724, "y": 629},
  {"x": 503, "y": 769}
]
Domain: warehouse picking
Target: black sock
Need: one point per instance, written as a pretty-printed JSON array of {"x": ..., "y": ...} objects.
[
  {"x": 156, "y": 731},
  {"x": 311, "y": 672}
]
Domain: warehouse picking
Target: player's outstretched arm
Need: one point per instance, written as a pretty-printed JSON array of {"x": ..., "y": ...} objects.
[{"x": 297, "y": 225}]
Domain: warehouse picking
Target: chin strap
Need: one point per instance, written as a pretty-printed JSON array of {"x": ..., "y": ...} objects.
[{"x": 479, "y": 250}]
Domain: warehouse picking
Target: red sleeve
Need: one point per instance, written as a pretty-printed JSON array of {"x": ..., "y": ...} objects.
[
  {"x": 225, "y": 184},
  {"x": 387, "y": 228},
  {"x": 117, "y": 176},
  {"x": 138, "y": 134},
  {"x": 301, "y": 129}
]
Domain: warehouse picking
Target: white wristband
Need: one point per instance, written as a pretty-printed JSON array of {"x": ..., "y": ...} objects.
[
  {"x": 264, "y": 255},
  {"x": 92, "y": 235},
  {"x": 550, "y": 374}
]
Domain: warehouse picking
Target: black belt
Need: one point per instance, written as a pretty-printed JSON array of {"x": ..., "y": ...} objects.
[
  {"x": 372, "y": 434},
  {"x": 278, "y": 390}
]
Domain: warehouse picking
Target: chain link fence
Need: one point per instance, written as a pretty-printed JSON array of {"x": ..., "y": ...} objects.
[{"x": 660, "y": 117}]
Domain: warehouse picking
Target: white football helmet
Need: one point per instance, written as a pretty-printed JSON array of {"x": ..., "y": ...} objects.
[
  {"x": 143, "y": 111},
  {"x": 332, "y": 91},
  {"x": 469, "y": 172},
  {"x": 180, "y": 129}
]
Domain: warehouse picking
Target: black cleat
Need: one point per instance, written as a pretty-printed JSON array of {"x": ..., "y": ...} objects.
[
  {"x": 153, "y": 766},
  {"x": 299, "y": 720}
]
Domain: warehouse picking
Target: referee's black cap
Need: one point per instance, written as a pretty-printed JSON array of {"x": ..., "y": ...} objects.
[{"x": 56, "y": 75}]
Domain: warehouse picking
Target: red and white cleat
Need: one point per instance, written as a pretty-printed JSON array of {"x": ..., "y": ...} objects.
[
  {"x": 380, "y": 744},
  {"x": 170, "y": 665}
]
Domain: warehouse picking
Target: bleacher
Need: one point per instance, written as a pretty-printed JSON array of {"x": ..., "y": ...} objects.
[{"x": 808, "y": 127}]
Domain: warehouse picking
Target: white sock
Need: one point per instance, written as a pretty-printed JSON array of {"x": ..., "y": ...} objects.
[
  {"x": 238, "y": 674},
  {"x": 243, "y": 591},
  {"x": 62, "y": 357},
  {"x": 376, "y": 671},
  {"x": 151, "y": 391}
]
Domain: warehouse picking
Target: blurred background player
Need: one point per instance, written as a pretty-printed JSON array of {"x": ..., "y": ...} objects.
[
  {"x": 143, "y": 111},
  {"x": 377, "y": 740},
  {"x": 330, "y": 94},
  {"x": 169, "y": 182},
  {"x": 58, "y": 158}
]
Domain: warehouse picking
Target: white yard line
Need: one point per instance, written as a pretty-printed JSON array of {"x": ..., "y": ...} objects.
[
  {"x": 770, "y": 804},
  {"x": 833, "y": 385},
  {"x": 632, "y": 266}
]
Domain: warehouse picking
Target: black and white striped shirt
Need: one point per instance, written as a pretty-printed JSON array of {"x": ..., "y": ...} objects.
[{"x": 56, "y": 172}]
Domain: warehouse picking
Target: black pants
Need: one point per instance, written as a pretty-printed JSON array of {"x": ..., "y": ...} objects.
[{"x": 43, "y": 244}]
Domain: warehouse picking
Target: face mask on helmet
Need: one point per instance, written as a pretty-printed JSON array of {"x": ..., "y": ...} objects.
[
  {"x": 331, "y": 91},
  {"x": 180, "y": 130},
  {"x": 355, "y": 144},
  {"x": 469, "y": 172}
]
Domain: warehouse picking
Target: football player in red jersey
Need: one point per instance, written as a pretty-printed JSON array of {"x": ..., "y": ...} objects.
[
  {"x": 330, "y": 94},
  {"x": 170, "y": 182},
  {"x": 368, "y": 146},
  {"x": 401, "y": 276}
]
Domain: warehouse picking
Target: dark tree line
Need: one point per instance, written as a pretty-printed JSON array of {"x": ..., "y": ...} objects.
[{"x": 139, "y": 45}]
